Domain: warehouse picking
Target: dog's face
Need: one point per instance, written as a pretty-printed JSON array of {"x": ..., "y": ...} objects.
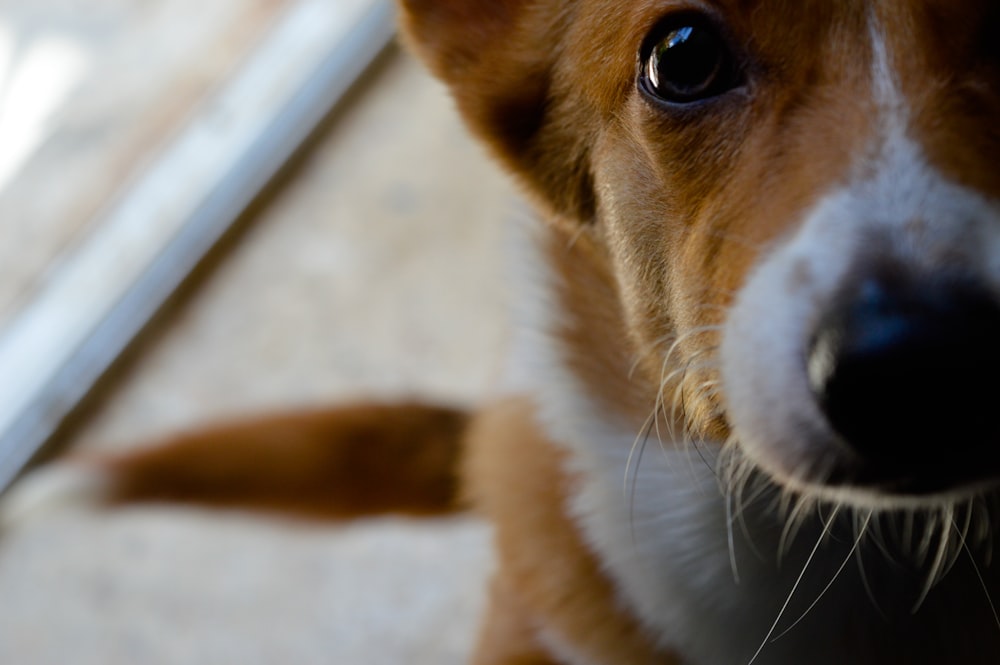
[{"x": 798, "y": 201}]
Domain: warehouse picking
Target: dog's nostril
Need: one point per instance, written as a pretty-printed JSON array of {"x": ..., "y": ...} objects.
[{"x": 905, "y": 372}]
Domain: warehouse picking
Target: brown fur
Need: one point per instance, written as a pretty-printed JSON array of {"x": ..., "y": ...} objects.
[
  {"x": 655, "y": 219},
  {"x": 590, "y": 130},
  {"x": 336, "y": 463},
  {"x": 548, "y": 577}
]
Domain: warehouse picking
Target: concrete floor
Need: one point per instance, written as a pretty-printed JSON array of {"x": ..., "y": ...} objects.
[
  {"x": 119, "y": 77},
  {"x": 375, "y": 271}
]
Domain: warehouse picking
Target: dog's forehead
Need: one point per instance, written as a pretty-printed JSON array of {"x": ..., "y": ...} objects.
[
  {"x": 929, "y": 44},
  {"x": 790, "y": 22},
  {"x": 784, "y": 34}
]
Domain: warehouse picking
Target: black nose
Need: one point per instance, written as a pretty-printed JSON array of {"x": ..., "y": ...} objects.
[{"x": 906, "y": 373}]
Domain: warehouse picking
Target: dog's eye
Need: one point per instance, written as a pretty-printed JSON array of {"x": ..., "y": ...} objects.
[{"x": 687, "y": 61}]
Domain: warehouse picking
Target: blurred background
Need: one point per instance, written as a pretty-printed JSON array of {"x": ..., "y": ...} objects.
[{"x": 216, "y": 209}]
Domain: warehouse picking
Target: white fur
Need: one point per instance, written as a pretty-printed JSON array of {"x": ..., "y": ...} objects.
[
  {"x": 896, "y": 205},
  {"x": 667, "y": 551},
  {"x": 664, "y": 541},
  {"x": 670, "y": 557},
  {"x": 561, "y": 649}
]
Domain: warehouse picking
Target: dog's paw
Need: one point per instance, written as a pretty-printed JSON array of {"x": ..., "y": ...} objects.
[{"x": 50, "y": 489}]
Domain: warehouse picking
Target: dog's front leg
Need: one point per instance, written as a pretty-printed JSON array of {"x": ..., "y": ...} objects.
[
  {"x": 551, "y": 600},
  {"x": 510, "y": 633}
]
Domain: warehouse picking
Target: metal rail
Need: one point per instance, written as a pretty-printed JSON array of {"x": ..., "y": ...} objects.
[{"x": 155, "y": 234}]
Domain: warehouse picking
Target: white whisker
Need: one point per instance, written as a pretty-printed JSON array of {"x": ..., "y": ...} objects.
[
  {"x": 850, "y": 555},
  {"x": 982, "y": 583},
  {"x": 730, "y": 537},
  {"x": 933, "y": 575},
  {"x": 791, "y": 594},
  {"x": 792, "y": 526}
]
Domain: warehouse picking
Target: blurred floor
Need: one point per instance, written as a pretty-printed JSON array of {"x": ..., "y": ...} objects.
[
  {"x": 91, "y": 90},
  {"x": 375, "y": 271}
]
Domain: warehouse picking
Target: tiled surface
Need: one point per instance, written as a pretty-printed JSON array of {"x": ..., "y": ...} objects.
[{"x": 376, "y": 272}]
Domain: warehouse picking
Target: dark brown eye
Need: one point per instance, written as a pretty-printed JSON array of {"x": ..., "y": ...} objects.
[{"x": 687, "y": 61}]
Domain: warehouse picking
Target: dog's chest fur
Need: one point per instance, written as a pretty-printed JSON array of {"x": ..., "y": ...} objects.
[
  {"x": 714, "y": 255},
  {"x": 681, "y": 555}
]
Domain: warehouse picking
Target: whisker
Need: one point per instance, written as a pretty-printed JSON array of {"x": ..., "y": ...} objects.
[
  {"x": 793, "y": 524},
  {"x": 877, "y": 536},
  {"x": 632, "y": 472},
  {"x": 632, "y": 493},
  {"x": 982, "y": 583},
  {"x": 731, "y": 538},
  {"x": 742, "y": 503},
  {"x": 908, "y": 527},
  {"x": 933, "y": 575},
  {"x": 798, "y": 581},
  {"x": 955, "y": 552},
  {"x": 982, "y": 529},
  {"x": 850, "y": 555},
  {"x": 636, "y": 446},
  {"x": 680, "y": 399},
  {"x": 923, "y": 549},
  {"x": 865, "y": 582}
]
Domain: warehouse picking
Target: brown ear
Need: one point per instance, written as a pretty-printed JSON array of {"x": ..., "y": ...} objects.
[{"x": 497, "y": 57}]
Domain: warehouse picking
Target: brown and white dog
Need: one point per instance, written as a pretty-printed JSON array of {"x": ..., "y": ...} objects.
[{"x": 752, "y": 409}]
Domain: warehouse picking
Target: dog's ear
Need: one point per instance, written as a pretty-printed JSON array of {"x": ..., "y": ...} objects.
[{"x": 497, "y": 57}]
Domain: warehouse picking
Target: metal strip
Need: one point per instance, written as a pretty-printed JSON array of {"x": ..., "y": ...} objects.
[{"x": 99, "y": 299}]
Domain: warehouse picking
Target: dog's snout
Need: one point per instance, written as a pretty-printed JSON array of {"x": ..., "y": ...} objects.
[{"x": 905, "y": 371}]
